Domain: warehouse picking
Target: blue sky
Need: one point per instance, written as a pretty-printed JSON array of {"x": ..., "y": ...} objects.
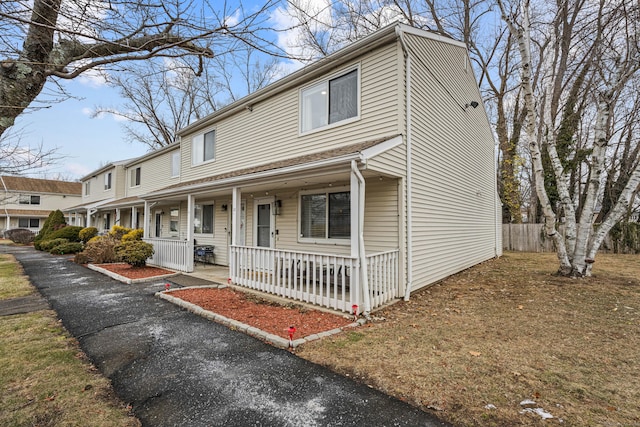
[{"x": 84, "y": 143}]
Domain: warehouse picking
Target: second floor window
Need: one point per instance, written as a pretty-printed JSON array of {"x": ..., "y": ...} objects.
[
  {"x": 87, "y": 188},
  {"x": 329, "y": 102},
  {"x": 27, "y": 199},
  {"x": 135, "y": 177},
  {"x": 175, "y": 164},
  {"x": 107, "y": 181},
  {"x": 203, "y": 147}
]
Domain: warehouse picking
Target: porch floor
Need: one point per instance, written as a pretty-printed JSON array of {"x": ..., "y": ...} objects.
[{"x": 214, "y": 273}]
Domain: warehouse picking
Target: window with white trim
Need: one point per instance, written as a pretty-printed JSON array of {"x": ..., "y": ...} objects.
[
  {"x": 135, "y": 177},
  {"x": 87, "y": 188},
  {"x": 29, "y": 222},
  {"x": 107, "y": 181},
  {"x": 175, "y": 164},
  {"x": 329, "y": 102},
  {"x": 203, "y": 219},
  {"x": 203, "y": 147},
  {"x": 28, "y": 199},
  {"x": 325, "y": 216},
  {"x": 173, "y": 221}
]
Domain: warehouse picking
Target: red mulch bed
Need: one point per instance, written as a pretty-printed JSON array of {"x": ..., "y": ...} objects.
[
  {"x": 247, "y": 308},
  {"x": 134, "y": 272},
  {"x": 266, "y": 315}
]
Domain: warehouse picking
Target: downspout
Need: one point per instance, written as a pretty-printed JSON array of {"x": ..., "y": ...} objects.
[
  {"x": 361, "y": 249},
  {"x": 407, "y": 82}
]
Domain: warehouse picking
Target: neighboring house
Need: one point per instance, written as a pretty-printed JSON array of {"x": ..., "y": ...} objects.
[
  {"x": 144, "y": 174},
  {"x": 353, "y": 181},
  {"x": 99, "y": 187},
  {"x": 27, "y": 202}
]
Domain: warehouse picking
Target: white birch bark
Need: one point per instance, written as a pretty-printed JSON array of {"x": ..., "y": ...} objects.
[{"x": 524, "y": 42}]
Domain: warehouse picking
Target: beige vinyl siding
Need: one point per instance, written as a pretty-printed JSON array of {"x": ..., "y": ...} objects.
[
  {"x": 48, "y": 202},
  {"x": 271, "y": 131},
  {"x": 119, "y": 183},
  {"x": 111, "y": 193},
  {"x": 381, "y": 222},
  {"x": 155, "y": 173},
  {"x": 453, "y": 186}
]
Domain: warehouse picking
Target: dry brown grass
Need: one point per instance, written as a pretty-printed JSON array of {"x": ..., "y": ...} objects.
[
  {"x": 505, "y": 331},
  {"x": 45, "y": 379}
]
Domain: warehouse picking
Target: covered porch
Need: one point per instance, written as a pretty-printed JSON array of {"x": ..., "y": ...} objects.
[{"x": 296, "y": 231}]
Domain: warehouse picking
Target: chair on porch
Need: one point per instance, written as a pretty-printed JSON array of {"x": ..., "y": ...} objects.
[{"x": 203, "y": 253}]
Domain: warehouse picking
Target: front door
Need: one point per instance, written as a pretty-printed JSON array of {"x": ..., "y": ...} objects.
[
  {"x": 158, "y": 223},
  {"x": 264, "y": 225}
]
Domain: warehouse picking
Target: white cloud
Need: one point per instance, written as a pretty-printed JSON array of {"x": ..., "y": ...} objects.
[{"x": 76, "y": 169}]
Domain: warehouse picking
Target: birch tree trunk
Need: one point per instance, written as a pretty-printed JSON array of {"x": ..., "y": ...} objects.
[{"x": 604, "y": 71}]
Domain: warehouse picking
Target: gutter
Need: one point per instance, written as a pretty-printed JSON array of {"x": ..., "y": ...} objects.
[
  {"x": 361, "y": 248},
  {"x": 219, "y": 184},
  {"x": 409, "y": 253}
]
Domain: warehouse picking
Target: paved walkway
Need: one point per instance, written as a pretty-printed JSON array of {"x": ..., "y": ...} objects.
[{"x": 178, "y": 369}]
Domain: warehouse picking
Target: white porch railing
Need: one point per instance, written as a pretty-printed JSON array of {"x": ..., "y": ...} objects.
[
  {"x": 383, "y": 275},
  {"x": 331, "y": 281},
  {"x": 172, "y": 253}
]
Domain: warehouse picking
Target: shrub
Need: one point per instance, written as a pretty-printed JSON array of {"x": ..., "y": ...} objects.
[
  {"x": 100, "y": 250},
  {"x": 54, "y": 221},
  {"x": 47, "y": 245},
  {"x": 133, "y": 235},
  {"x": 20, "y": 235},
  {"x": 118, "y": 232},
  {"x": 71, "y": 233},
  {"x": 87, "y": 233},
  {"x": 67, "y": 248},
  {"x": 134, "y": 253},
  {"x": 81, "y": 258}
]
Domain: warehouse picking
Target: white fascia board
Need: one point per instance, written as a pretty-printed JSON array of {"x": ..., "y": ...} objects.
[
  {"x": 378, "y": 149},
  {"x": 346, "y": 159},
  {"x": 429, "y": 35}
]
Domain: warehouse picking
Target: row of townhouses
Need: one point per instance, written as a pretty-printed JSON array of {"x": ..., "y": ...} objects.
[
  {"x": 26, "y": 202},
  {"x": 353, "y": 181}
]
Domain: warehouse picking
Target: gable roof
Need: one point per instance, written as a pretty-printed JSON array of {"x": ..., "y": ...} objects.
[
  {"x": 381, "y": 37},
  {"x": 36, "y": 185}
]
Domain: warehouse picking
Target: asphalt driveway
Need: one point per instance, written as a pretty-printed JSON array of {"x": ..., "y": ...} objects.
[{"x": 178, "y": 369}]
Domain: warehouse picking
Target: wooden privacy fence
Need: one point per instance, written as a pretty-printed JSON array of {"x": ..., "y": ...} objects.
[{"x": 531, "y": 238}]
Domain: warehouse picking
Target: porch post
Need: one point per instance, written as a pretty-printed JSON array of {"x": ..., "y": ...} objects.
[
  {"x": 355, "y": 218},
  {"x": 357, "y": 181},
  {"x": 88, "y": 217},
  {"x": 132, "y": 223},
  {"x": 236, "y": 209},
  {"x": 145, "y": 221},
  {"x": 190, "y": 207},
  {"x": 117, "y": 219},
  {"x": 190, "y": 246},
  {"x": 236, "y": 212}
]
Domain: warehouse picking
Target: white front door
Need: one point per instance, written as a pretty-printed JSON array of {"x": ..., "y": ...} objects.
[
  {"x": 264, "y": 229},
  {"x": 264, "y": 223}
]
